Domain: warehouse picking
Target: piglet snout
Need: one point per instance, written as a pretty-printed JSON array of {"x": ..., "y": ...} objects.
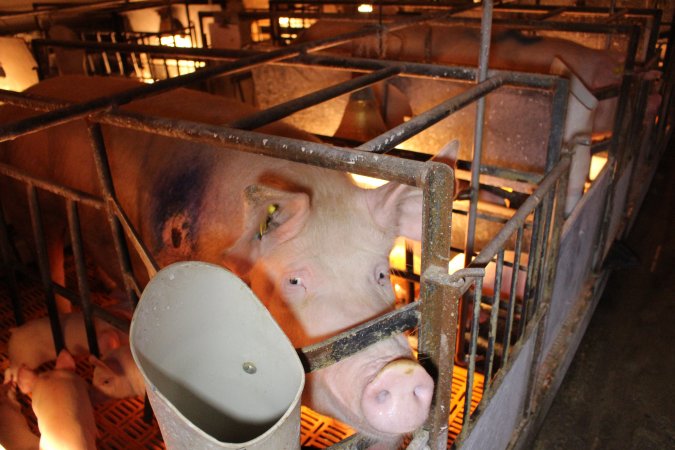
[{"x": 397, "y": 400}]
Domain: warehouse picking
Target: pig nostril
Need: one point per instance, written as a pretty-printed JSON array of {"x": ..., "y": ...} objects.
[{"x": 382, "y": 396}]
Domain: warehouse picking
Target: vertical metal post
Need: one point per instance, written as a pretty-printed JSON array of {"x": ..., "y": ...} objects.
[
  {"x": 81, "y": 271},
  {"x": 438, "y": 307},
  {"x": 107, "y": 187},
  {"x": 485, "y": 34},
  {"x": 43, "y": 262}
]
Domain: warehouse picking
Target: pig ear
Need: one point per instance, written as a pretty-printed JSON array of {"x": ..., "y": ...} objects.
[
  {"x": 271, "y": 217},
  {"x": 26, "y": 379},
  {"x": 65, "y": 361},
  {"x": 401, "y": 205}
]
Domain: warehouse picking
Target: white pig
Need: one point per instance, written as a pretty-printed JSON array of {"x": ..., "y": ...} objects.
[
  {"x": 15, "y": 434},
  {"x": 116, "y": 374},
  {"x": 32, "y": 344},
  {"x": 62, "y": 406}
]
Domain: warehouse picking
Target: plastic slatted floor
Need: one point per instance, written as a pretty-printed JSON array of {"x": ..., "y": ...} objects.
[{"x": 121, "y": 423}]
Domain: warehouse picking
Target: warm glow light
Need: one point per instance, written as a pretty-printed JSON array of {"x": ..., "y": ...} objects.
[
  {"x": 456, "y": 263},
  {"x": 173, "y": 67},
  {"x": 367, "y": 182},
  {"x": 597, "y": 163},
  {"x": 397, "y": 255},
  {"x": 365, "y": 8}
]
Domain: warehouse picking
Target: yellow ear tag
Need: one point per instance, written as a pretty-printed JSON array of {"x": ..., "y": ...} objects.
[{"x": 264, "y": 225}]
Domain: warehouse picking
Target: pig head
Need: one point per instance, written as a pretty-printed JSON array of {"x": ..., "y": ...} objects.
[{"x": 313, "y": 247}]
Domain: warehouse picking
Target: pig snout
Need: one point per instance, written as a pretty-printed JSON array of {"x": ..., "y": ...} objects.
[{"x": 397, "y": 400}]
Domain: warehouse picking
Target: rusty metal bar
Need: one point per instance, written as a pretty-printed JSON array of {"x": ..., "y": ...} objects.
[
  {"x": 383, "y": 166},
  {"x": 108, "y": 190},
  {"x": 512, "y": 296},
  {"x": 81, "y": 272},
  {"x": 43, "y": 262},
  {"x": 343, "y": 345},
  {"x": 533, "y": 269},
  {"x": 420, "y": 122},
  {"x": 287, "y": 108},
  {"x": 438, "y": 329}
]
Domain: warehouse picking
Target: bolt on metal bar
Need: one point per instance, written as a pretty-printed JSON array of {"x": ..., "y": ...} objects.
[
  {"x": 282, "y": 110},
  {"x": 334, "y": 349},
  {"x": 390, "y": 139},
  {"x": 43, "y": 262},
  {"x": 512, "y": 296},
  {"x": 81, "y": 273}
]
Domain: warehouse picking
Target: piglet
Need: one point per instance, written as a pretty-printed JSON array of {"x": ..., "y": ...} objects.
[
  {"x": 117, "y": 375},
  {"x": 61, "y": 404},
  {"x": 15, "y": 434},
  {"x": 32, "y": 345}
]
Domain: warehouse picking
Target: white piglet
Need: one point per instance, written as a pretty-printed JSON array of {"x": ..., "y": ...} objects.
[
  {"x": 32, "y": 344},
  {"x": 61, "y": 405}
]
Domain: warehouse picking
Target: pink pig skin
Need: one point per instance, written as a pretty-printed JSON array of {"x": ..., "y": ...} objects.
[
  {"x": 31, "y": 344},
  {"x": 61, "y": 405},
  {"x": 15, "y": 434},
  {"x": 313, "y": 246}
]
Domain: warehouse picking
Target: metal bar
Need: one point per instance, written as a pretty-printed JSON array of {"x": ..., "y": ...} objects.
[
  {"x": 287, "y": 108},
  {"x": 533, "y": 268},
  {"x": 43, "y": 262},
  {"x": 494, "y": 316},
  {"x": 473, "y": 346},
  {"x": 337, "y": 348},
  {"x": 49, "y": 186},
  {"x": 483, "y": 59},
  {"x": 438, "y": 329},
  {"x": 108, "y": 190},
  {"x": 512, "y": 296},
  {"x": 491, "y": 249},
  {"x": 616, "y": 158},
  {"x": 81, "y": 272},
  {"x": 40, "y": 122},
  {"x": 390, "y": 139},
  {"x": 381, "y": 166}
]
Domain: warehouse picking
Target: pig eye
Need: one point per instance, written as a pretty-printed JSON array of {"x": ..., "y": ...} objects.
[{"x": 296, "y": 281}]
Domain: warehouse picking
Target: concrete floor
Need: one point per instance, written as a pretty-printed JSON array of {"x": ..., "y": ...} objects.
[{"x": 619, "y": 392}]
